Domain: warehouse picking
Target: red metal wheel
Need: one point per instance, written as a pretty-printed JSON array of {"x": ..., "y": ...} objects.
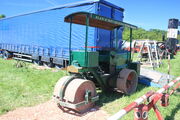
[{"x": 127, "y": 81}]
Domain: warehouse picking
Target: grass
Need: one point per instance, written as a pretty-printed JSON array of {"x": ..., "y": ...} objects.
[
  {"x": 28, "y": 86},
  {"x": 24, "y": 86},
  {"x": 174, "y": 65},
  {"x": 112, "y": 103}
]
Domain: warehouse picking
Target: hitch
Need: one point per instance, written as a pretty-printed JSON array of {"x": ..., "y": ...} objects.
[
  {"x": 141, "y": 110},
  {"x": 165, "y": 100}
]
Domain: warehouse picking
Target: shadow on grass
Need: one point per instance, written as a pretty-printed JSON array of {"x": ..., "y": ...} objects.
[
  {"x": 177, "y": 93},
  {"x": 106, "y": 97},
  {"x": 4, "y": 110},
  {"x": 141, "y": 87},
  {"x": 110, "y": 96},
  {"x": 173, "y": 113}
]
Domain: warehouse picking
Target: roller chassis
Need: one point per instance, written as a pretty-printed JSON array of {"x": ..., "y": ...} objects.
[{"x": 86, "y": 67}]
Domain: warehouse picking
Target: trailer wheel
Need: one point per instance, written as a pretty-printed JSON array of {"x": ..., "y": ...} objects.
[
  {"x": 127, "y": 81},
  {"x": 48, "y": 64},
  {"x": 6, "y": 55},
  {"x": 1, "y": 53},
  {"x": 37, "y": 62},
  {"x": 58, "y": 66}
]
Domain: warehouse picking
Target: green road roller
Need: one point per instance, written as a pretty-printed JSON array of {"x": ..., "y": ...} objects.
[{"x": 92, "y": 67}]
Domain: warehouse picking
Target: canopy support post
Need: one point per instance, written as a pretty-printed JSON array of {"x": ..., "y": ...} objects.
[
  {"x": 86, "y": 41},
  {"x": 70, "y": 59},
  {"x": 130, "y": 44},
  {"x": 117, "y": 38}
]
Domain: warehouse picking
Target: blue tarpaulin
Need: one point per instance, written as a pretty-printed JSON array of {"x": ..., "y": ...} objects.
[{"x": 45, "y": 33}]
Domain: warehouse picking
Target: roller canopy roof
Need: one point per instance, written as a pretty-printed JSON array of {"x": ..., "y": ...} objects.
[{"x": 96, "y": 21}]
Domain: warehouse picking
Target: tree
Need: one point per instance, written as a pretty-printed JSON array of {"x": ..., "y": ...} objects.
[
  {"x": 140, "y": 34},
  {"x": 2, "y": 16}
]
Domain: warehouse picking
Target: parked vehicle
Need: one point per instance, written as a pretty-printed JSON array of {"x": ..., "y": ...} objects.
[
  {"x": 42, "y": 36},
  {"x": 109, "y": 70}
]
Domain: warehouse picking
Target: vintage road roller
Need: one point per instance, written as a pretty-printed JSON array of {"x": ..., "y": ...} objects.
[{"x": 110, "y": 69}]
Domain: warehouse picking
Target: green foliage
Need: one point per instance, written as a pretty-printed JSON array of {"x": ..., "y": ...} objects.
[
  {"x": 140, "y": 33},
  {"x": 2, "y": 16}
]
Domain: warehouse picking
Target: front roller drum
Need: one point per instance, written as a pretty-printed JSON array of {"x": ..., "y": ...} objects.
[
  {"x": 127, "y": 81},
  {"x": 76, "y": 94}
]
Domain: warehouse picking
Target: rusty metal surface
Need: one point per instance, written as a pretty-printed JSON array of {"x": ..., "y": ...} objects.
[
  {"x": 127, "y": 81},
  {"x": 75, "y": 93}
]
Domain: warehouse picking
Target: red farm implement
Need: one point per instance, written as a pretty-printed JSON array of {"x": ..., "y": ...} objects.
[{"x": 141, "y": 110}]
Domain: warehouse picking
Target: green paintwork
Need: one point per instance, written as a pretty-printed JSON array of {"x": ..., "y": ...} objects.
[
  {"x": 92, "y": 58},
  {"x": 130, "y": 45},
  {"x": 118, "y": 59},
  {"x": 74, "y": 106},
  {"x": 104, "y": 56},
  {"x": 77, "y": 105},
  {"x": 70, "y": 39},
  {"x": 86, "y": 42},
  {"x": 87, "y": 96},
  {"x": 86, "y": 63},
  {"x": 101, "y": 78},
  {"x": 135, "y": 66},
  {"x": 115, "y": 58},
  {"x": 102, "y": 82}
]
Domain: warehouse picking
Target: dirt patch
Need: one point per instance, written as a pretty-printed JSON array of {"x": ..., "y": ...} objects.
[
  {"x": 53, "y": 69},
  {"x": 38, "y": 67},
  {"x": 50, "y": 111}
]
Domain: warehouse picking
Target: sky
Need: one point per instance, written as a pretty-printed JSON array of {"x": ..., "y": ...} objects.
[{"x": 147, "y": 14}]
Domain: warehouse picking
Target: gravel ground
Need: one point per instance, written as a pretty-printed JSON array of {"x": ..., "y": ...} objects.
[{"x": 50, "y": 111}]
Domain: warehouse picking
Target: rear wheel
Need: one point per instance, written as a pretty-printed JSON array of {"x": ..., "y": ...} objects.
[
  {"x": 48, "y": 64},
  {"x": 1, "y": 53},
  {"x": 58, "y": 66},
  {"x": 127, "y": 81},
  {"x": 37, "y": 62}
]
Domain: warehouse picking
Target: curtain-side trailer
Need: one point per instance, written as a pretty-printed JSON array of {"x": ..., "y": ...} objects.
[{"x": 42, "y": 36}]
